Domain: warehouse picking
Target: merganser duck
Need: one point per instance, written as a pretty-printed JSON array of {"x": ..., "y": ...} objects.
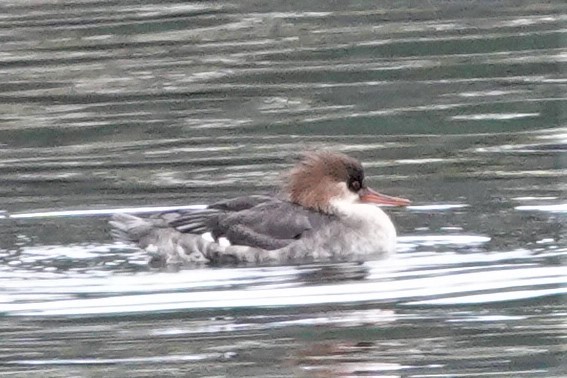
[{"x": 325, "y": 212}]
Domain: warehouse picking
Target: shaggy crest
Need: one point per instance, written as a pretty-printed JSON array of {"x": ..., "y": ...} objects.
[{"x": 313, "y": 180}]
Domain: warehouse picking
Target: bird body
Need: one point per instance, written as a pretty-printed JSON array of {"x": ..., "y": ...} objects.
[{"x": 324, "y": 213}]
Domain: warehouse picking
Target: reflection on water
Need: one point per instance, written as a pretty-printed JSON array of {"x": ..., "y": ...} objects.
[{"x": 139, "y": 107}]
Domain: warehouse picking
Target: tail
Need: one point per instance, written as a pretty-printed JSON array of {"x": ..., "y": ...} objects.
[
  {"x": 130, "y": 229},
  {"x": 166, "y": 245}
]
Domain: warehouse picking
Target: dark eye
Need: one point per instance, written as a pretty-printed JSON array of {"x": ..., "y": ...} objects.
[{"x": 355, "y": 186}]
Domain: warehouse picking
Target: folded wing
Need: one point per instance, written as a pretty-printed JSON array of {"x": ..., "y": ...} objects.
[{"x": 255, "y": 221}]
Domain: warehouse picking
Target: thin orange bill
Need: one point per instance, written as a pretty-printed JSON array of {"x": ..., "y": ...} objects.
[{"x": 372, "y": 196}]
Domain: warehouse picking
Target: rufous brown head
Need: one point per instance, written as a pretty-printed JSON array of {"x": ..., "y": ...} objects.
[{"x": 322, "y": 176}]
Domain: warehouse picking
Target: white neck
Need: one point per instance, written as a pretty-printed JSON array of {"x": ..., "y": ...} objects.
[{"x": 373, "y": 224}]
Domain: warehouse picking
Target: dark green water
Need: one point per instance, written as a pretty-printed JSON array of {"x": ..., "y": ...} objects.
[{"x": 458, "y": 105}]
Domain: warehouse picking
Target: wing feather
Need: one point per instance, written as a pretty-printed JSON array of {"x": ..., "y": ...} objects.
[{"x": 256, "y": 221}]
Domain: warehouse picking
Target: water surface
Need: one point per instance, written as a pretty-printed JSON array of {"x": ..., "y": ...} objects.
[{"x": 136, "y": 105}]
